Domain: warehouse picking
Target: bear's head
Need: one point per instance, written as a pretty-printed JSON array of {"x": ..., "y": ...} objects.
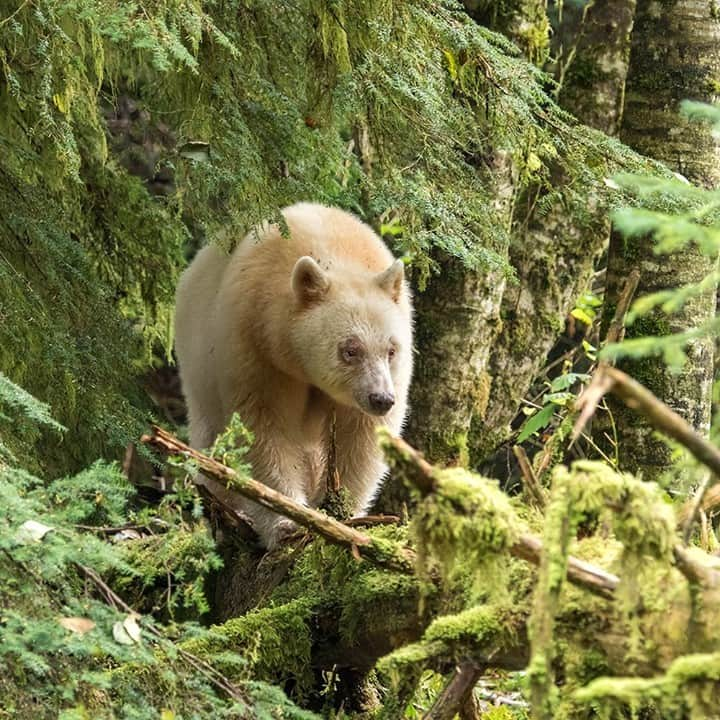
[{"x": 353, "y": 333}]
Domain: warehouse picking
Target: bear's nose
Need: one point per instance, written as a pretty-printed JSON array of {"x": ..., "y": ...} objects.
[{"x": 380, "y": 403}]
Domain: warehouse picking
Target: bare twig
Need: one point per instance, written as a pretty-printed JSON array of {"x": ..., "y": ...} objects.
[
  {"x": 366, "y": 520},
  {"x": 203, "y": 667},
  {"x": 527, "y": 547},
  {"x": 695, "y": 507},
  {"x": 321, "y": 524},
  {"x": 616, "y": 329},
  {"x": 587, "y": 403},
  {"x": 534, "y": 489},
  {"x": 332, "y": 480},
  {"x": 456, "y": 693}
]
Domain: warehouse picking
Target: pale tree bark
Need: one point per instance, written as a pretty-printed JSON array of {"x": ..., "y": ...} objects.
[
  {"x": 458, "y": 318},
  {"x": 675, "y": 56},
  {"x": 593, "y": 46},
  {"x": 458, "y": 314},
  {"x": 554, "y": 254}
]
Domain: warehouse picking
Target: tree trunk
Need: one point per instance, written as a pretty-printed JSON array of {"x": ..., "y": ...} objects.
[
  {"x": 458, "y": 317},
  {"x": 458, "y": 314},
  {"x": 675, "y": 56},
  {"x": 593, "y": 47},
  {"x": 554, "y": 256}
]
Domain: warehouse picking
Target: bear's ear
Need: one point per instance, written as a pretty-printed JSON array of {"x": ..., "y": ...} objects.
[
  {"x": 309, "y": 282},
  {"x": 391, "y": 280}
]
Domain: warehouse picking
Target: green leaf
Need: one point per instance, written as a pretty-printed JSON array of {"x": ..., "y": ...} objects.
[
  {"x": 582, "y": 316},
  {"x": 536, "y": 422},
  {"x": 559, "y": 398},
  {"x": 563, "y": 382}
]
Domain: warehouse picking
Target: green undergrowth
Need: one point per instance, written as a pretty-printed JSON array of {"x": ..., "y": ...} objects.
[{"x": 69, "y": 646}]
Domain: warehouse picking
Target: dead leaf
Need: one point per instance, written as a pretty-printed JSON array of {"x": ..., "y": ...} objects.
[
  {"x": 132, "y": 628},
  {"x": 32, "y": 531},
  {"x": 78, "y": 625}
]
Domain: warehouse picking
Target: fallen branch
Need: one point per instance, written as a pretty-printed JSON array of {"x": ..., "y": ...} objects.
[
  {"x": 527, "y": 547},
  {"x": 660, "y": 415},
  {"x": 225, "y": 484},
  {"x": 534, "y": 489},
  {"x": 456, "y": 693}
]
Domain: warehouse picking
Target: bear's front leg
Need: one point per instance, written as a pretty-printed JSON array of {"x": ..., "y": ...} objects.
[
  {"x": 280, "y": 466},
  {"x": 359, "y": 458}
]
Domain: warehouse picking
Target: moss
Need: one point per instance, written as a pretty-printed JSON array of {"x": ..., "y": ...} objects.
[
  {"x": 483, "y": 627},
  {"x": 643, "y": 523},
  {"x": 274, "y": 642},
  {"x": 691, "y": 681},
  {"x": 466, "y": 517},
  {"x": 378, "y": 599},
  {"x": 339, "y": 504},
  {"x": 482, "y": 394}
]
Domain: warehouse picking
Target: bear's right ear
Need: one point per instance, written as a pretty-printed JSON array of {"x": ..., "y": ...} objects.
[{"x": 309, "y": 282}]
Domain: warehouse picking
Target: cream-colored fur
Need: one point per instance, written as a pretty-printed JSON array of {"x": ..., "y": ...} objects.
[{"x": 289, "y": 331}]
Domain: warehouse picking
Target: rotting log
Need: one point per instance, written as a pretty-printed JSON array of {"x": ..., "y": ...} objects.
[{"x": 379, "y": 629}]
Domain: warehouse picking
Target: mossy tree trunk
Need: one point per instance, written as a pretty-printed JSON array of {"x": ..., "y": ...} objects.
[
  {"x": 675, "y": 56},
  {"x": 458, "y": 317},
  {"x": 458, "y": 314},
  {"x": 554, "y": 253},
  {"x": 592, "y": 49}
]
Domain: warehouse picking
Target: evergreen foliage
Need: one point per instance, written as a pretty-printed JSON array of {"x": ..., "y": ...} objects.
[
  {"x": 390, "y": 109},
  {"x": 381, "y": 107},
  {"x": 65, "y": 651}
]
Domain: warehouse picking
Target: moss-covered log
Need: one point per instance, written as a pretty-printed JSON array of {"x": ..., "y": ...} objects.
[{"x": 313, "y": 608}]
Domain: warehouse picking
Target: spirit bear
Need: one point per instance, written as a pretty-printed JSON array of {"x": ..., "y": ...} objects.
[{"x": 291, "y": 332}]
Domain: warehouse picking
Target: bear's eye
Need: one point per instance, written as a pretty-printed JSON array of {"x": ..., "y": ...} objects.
[
  {"x": 351, "y": 352},
  {"x": 391, "y": 353}
]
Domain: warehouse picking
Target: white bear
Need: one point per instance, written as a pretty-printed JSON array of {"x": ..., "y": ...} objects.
[{"x": 290, "y": 332}]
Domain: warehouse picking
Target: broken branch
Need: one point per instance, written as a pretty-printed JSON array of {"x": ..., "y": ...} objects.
[
  {"x": 527, "y": 547},
  {"x": 225, "y": 484},
  {"x": 456, "y": 693},
  {"x": 534, "y": 489}
]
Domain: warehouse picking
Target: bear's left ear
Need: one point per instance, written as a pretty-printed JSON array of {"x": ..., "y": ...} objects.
[
  {"x": 309, "y": 282},
  {"x": 391, "y": 280}
]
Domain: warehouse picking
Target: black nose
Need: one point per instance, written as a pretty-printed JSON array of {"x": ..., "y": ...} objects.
[{"x": 380, "y": 403}]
